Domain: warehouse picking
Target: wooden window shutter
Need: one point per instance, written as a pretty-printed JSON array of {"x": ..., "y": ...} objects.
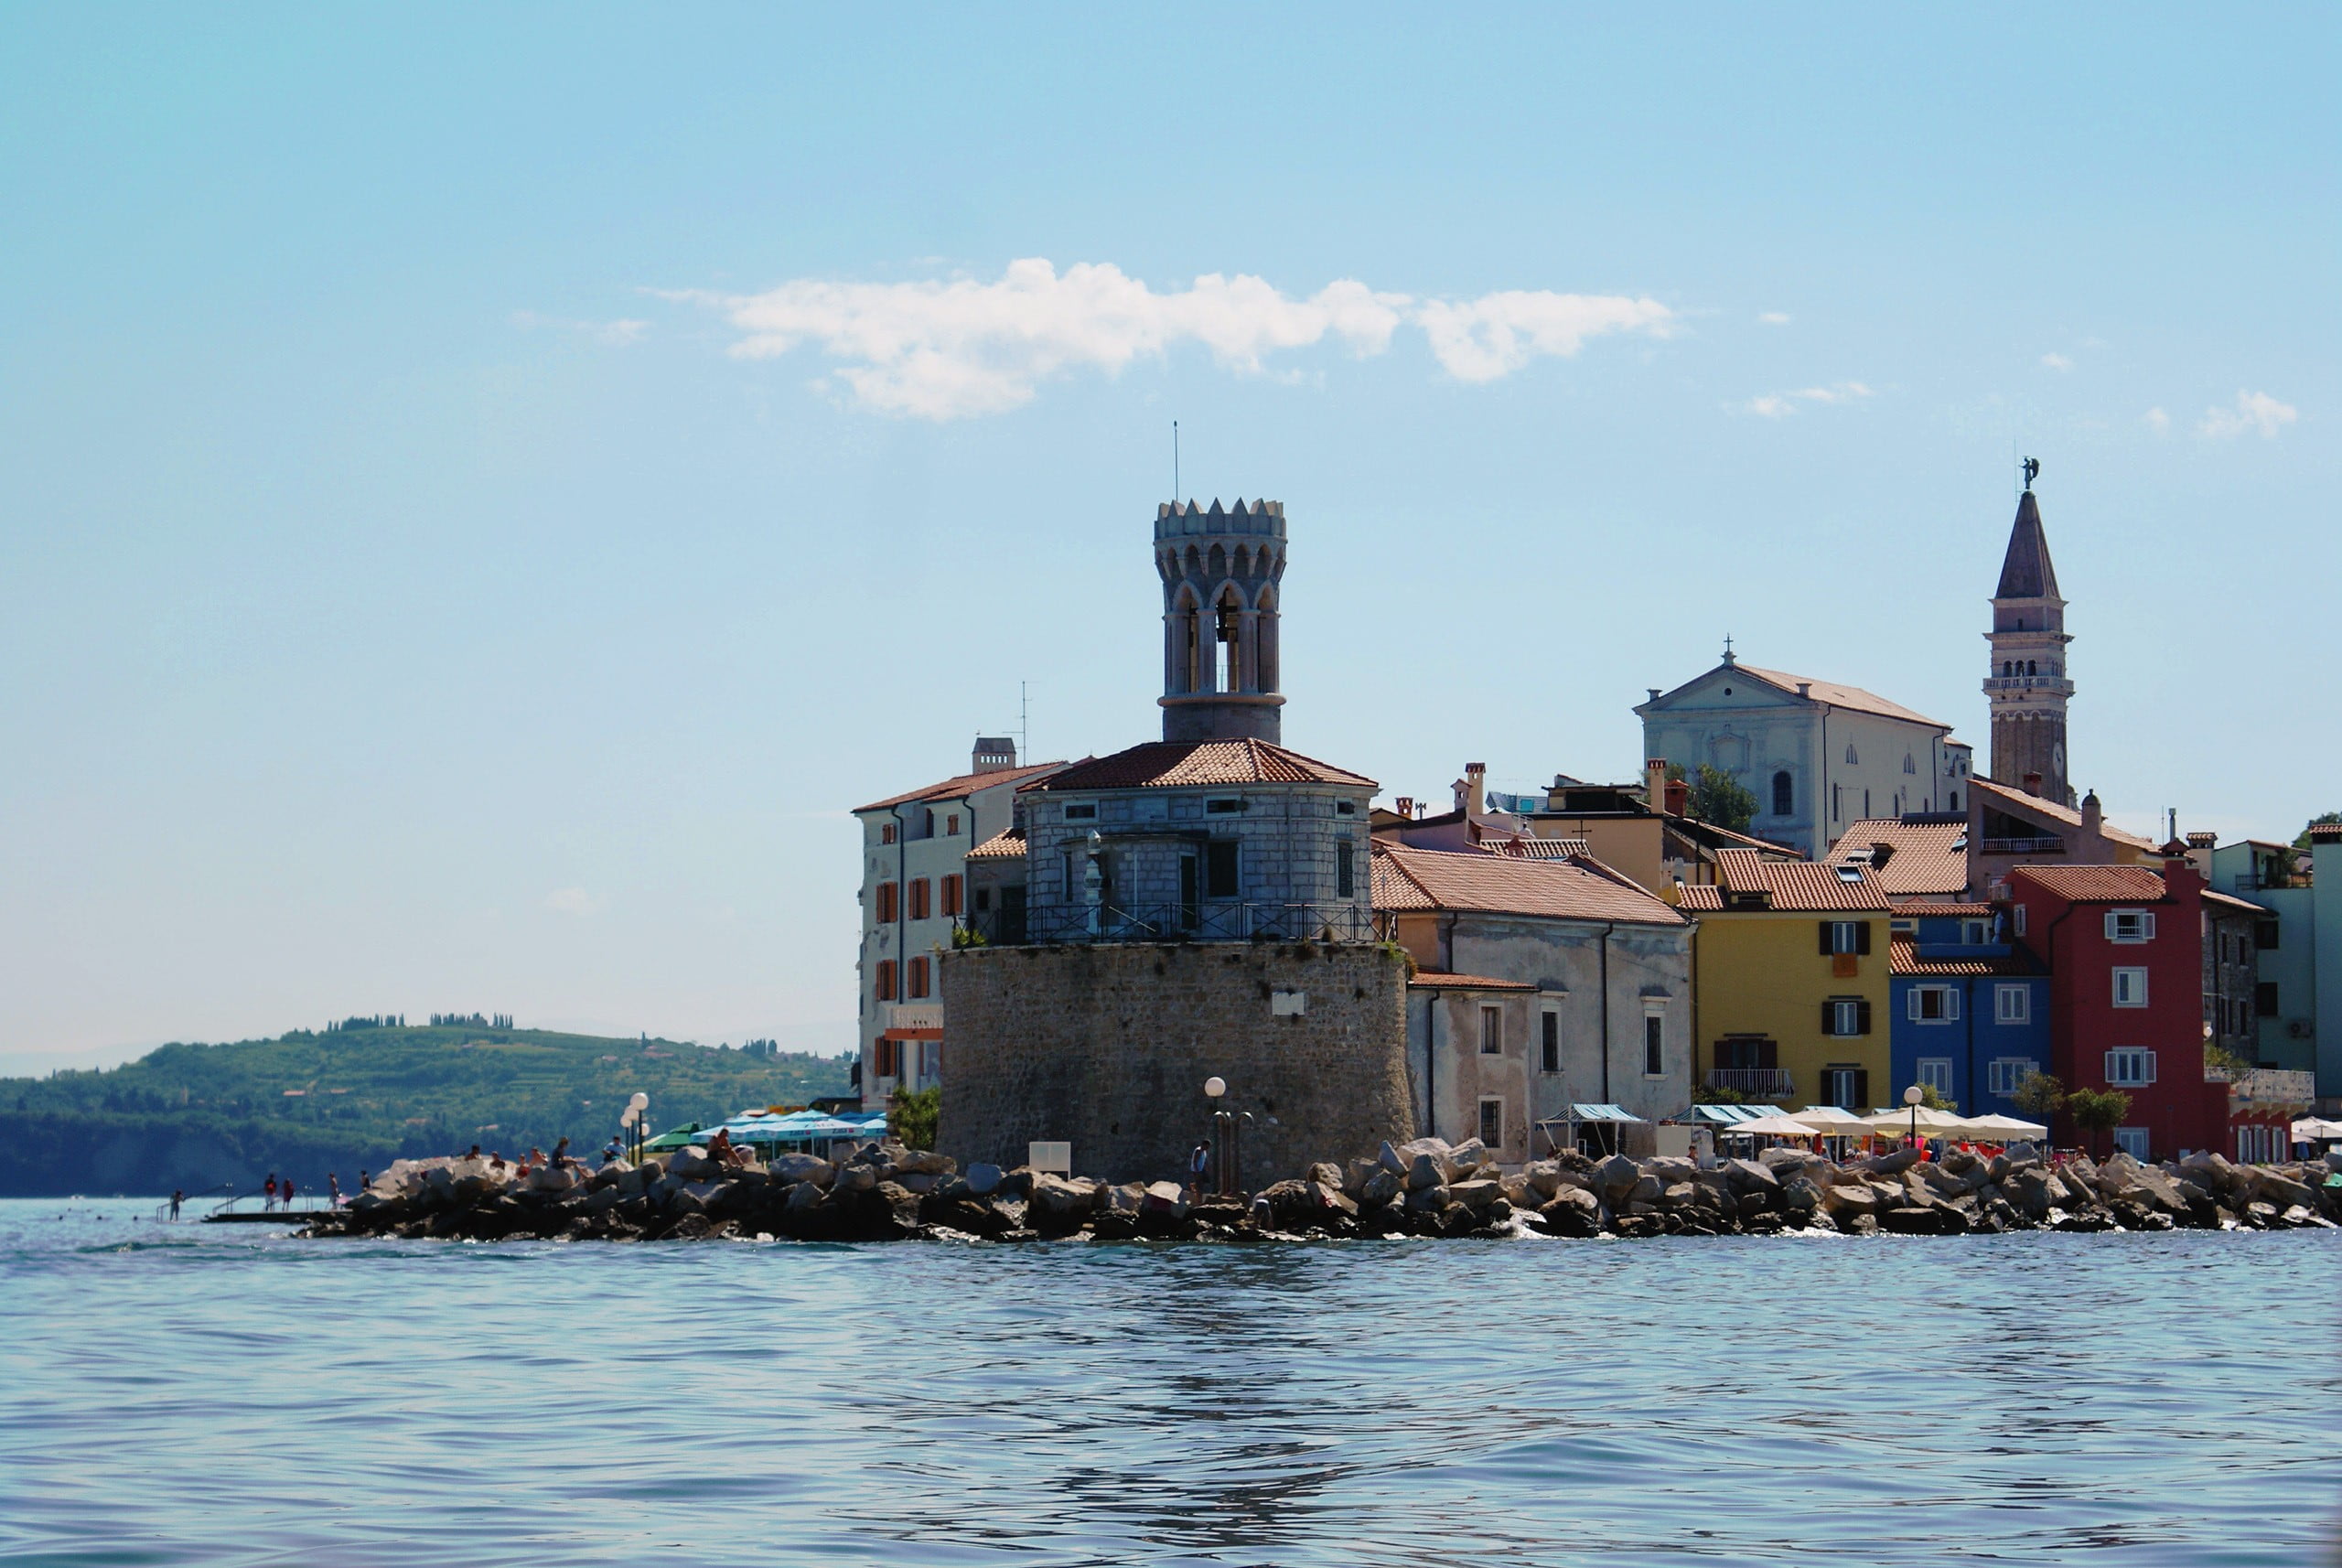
[
  {"x": 1862, "y": 936},
  {"x": 886, "y": 903},
  {"x": 1862, "y": 1088},
  {"x": 1862, "y": 1016},
  {"x": 1829, "y": 1017},
  {"x": 1827, "y": 946},
  {"x": 918, "y": 898},
  {"x": 886, "y": 979}
]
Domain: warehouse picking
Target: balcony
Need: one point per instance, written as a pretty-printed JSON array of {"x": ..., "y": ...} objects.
[
  {"x": 1756, "y": 1082},
  {"x": 2020, "y": 685},
  {"x": 2048, "y": 844},
  {"x": 1060, "y": 925}
]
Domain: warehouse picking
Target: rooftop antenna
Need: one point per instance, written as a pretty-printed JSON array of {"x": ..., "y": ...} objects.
[
  {"x": 1174, "y": 462},
  {"x": 1024, "y": 720}
]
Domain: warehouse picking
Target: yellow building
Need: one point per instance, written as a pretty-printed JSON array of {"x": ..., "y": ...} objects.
[{"x": 1789, "y": 982}]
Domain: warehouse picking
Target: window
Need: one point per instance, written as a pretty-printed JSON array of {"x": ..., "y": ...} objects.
[
  {"x": 1784, "y": 794},
  {"x": 2017, "y": 919},
  {"x": 1847, "y": 1087},
  {"x": 1072, "y": 874},
  {"x": 2130, "y": 1068},
  {"x": 2006, "y": 1075},
  {"x": 1975, "y": 933},
  {"x": 1654, "y": 1048},
  {"x": 2264, "y": 935},
  {"x": 2130, "y": 988},
  {"x": 885, "y": 1058},
  {"x": 1745, "y": 1053},
  {"x": 984, "y": 900},
  {"x": 1491, "y": 1031},
  {"x": 1846, "y": 1016},
  {"x": 886, "y": 891},
  {"x": 1909, "y": 765},
  {"x": 919, "y": 897},
  {"x": 2264, "y": 999},
  {"x": 886, "y": 988},
  {"x": 1952, "y": 802},
  {"x": 1935, "y": 1072},
  {"x": 1845, "y": 937},
  {"x": 1345, "y": 869},
  {"x": 916, "y": 978},
  {"x": 1346, "y": 808},
  {"x": 1083, "y": 813},
  {"x": 951, "y": 824},
  {"x": 2132, "y": 1141},
  {"x": 1492, "y": 1122},
  {"x": 2013, "y": 1004},
  {"x": 952, "y": 895},
  {"x": 1219, "y": 869},
  {"x": 1933, "y": 1005},
  {"x": 2130, "y": 925},
  {"x": 1223, "y": 807},
  {"x": 1550, "y": 1056},
  {"x": 885, "y": 833},
  {"x": 1852, "y": 760}
]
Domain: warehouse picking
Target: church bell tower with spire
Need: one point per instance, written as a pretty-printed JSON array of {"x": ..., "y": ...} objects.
[{"x": 2027, "y": 684}]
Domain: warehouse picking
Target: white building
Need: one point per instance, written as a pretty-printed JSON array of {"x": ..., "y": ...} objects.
[
  {"x": 914, "y": 892},
  {"x": 1817, "y": 756}
]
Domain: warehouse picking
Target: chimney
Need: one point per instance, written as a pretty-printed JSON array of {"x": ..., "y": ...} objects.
[
  {"x": 2033, "y": 783},
  {"x": 1476, "y": 783},
  {"x": 1679, "y": 798},
  {"x": 2093, "y": 814},
  {"x": 1655, "y": 783},
  {"x": 1805, "y": 688},
  {"x": 1406, "y": 807}
]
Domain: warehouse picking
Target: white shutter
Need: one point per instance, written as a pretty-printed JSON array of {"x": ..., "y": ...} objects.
[
  {"x": 2109, "y": 927},
  {"x": 1911, "y": 1005},
  {"x": 1951, "y": 1003},
  {"x": 2147, "y": 926},
  {"x": 2147, "y": 1060},
  {"x": 2111, "y": 1077}
]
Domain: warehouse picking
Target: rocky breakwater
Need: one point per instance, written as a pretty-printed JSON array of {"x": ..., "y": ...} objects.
[{"x": 1425, "y": 1187}]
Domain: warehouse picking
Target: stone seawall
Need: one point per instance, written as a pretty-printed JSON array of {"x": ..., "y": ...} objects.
[{"x": 1107, "y": 1047}]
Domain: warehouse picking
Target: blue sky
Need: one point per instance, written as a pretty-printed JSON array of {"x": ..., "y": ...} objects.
[{"x": 482, "y": 491}]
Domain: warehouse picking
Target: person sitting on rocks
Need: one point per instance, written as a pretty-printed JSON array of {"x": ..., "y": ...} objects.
[
  {"x": 561, "y": 1154},
  {"x": 610, "y": 1152}
]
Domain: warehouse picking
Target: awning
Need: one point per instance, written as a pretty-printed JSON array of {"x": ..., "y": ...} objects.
[
  {"x": 912, "y": 1034},
  {"x": 1600, "y": 1113},
  {"x": 2315, "y": 1130},
  {"x": 1714, "y": 1115}
]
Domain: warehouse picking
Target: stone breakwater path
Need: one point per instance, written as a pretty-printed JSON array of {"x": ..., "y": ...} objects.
[{"x": 1424, "y": 1188}]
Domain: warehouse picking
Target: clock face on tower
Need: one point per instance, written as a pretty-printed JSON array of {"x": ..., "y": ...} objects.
[{"x": 2058, "y": 755}]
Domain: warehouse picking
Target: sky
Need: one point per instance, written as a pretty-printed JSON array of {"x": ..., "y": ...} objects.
[{"x": 484, "y": 491}]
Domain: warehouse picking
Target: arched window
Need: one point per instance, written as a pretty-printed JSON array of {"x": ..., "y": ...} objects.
[
  {"x": 1852, "y": 760},
  {"x": 2031, "y": 667},
  {"x": 1910, "y": 765},
  {"x": 1784, "y": 794}
]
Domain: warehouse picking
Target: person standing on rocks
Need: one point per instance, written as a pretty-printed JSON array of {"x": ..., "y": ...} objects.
[
  {"x": 288, "y": 1193},
  {"x": 1198, "y": 1165},
  {"x": 268, "y": 1192}
]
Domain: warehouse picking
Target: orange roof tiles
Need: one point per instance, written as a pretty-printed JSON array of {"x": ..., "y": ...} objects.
[
  {"x": 2225, "y": 904},
  {"x": 1904, "y": 959},
  {"x": 1439, "y": 979},
  {"x": 1839, "y": 696},
  {"x": 1173, "y": 764},
  {"x": 1924, "y": 906},
  {"x": 1700, "y": 897},
  {"x": 1925, "y": 857},
  {"x": 966, "y": 784},
  {"x": 1797, "y": 884},
  {"x": 1006, "y": 844},
  {"x": 2006, "y": 799},
  {"x": 1475, "y": 880},
  {"x": 2097, "y": 884}
]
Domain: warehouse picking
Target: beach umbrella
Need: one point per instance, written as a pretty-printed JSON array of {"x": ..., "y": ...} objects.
[
  {"x": 1999, "y": 1128},
  {"x": 675, "y": 1138},
  {"x": 1776, "y": 1127},
  {"x": 2315, "y": 1130},
  {"x": 1931, "y": 1123},
  {"x": 1834, "y": 1121}
]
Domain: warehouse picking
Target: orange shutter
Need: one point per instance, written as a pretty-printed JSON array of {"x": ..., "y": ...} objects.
[
  {"x": 918, "y": 898},
  {"x": 886, "y": 979},
  {"x": 952, "y": 895}
]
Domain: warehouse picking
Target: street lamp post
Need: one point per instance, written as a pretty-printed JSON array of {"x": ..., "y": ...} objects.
[
  {"x": 1911, "y": 1097},
  {"x": 1214, "y": 1088}
]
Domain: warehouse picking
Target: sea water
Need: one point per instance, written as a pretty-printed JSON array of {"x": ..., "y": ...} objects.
[{"x": 213, "y": 1394}]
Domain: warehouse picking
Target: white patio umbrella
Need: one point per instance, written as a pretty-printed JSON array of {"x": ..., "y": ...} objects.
[
  {"x": 2002, "y": 1129},
  {"x": 1834, "y": 1121},
  {"x": 1930, "y": 1123},
  {"x": 1775, "y": 1127},
  {"x": 2315, "y": 1129}
]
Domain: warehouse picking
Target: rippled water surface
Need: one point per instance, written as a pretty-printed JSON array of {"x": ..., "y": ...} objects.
[{"x": 215, "y": 1395}]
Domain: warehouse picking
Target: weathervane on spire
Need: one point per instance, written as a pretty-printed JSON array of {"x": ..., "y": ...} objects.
[{"x": 2032, "y": 471}]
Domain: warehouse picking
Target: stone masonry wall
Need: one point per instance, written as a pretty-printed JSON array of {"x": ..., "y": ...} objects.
[{"x": 1108, "y": 1047}]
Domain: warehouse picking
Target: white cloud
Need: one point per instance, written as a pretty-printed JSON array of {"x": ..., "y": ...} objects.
[
  {"x": 2156, "y": 420},
  {"x": 2254, "y": 411},
  {"x": 2056, "y": 361},
  {"x": 620, "y": 331},
  {"x": 1775, "y": 318},
  {"x": 949, "y": 350},
  {"x": 1780, "y": 405},
  {"x": 572, "y": 901}
]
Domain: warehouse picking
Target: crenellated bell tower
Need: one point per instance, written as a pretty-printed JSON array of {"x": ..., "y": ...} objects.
[
  {"x": 1220, "y": 570},
  {"x": 2027, "y": 684}
]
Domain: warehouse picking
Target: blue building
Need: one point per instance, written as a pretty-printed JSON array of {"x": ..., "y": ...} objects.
[{"x": 1970, "y": 1009}]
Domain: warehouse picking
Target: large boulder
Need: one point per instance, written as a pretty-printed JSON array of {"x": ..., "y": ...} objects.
[
  {"x": 2269, "y": 1187},
  {"x": 1574, "y": 1211},
  {"x": 1849, "y": 1199},
  {"x": 802, "y": 1167},
  {"x": 1164, "y": 1200},
  {"x": 1616, "y": 1177},
  {"x": 1382, "y": 1185},
  {"x": 983, "y": 1179},
  {"x": 1064, "y": 1197},
  {"x": 1425, "y": 1172},
  {"x": 1753, "y": 1176},
  {"x": 1474, "y": 1195},
  {"x": 1894, "y": 1163}
]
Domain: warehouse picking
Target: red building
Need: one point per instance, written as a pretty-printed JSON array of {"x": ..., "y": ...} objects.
[{"x": 2123, "y": 946}]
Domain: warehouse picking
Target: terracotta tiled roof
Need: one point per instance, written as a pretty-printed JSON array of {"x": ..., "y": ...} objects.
[
  {"x": 2097, "y": 884},
  {"x": 1542, "y": 849},
  {"x": 1440, "y": 980},
  {"x": 2222, "y": 902},
  {"x": 1714, "y": 837},
  {"x": 1839, "y": 696},
  {"x": 958, "y": 789},
  {"x": 1475, "y": 880},
  {"x": 2018, "y": 802},
  {"x": 1904, "y": 959},
  {"x": 1925, "y": 857},
  {"x": 1008, "y": 845},
  {"x": 1172, "y": 764},
  {"x": 1797, "y": 885},
  {"x": 1698, "y": 896},
  {"x": 1922, "y": 907},
  {"x": 2326, "y": 832}
]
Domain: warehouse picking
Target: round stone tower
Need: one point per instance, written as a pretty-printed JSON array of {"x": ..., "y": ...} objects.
[{"x": 1220, "y": 570}]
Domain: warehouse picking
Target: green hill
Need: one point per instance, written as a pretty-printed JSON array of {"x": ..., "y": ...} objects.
[{"x": 357, "y": 1096}]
